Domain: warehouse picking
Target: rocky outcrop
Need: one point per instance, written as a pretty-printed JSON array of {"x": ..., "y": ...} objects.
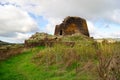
[
  {"x": 72, "y": 25},
  {"x": 44, "y": 39},
  {"x": 41, "y": 39}
]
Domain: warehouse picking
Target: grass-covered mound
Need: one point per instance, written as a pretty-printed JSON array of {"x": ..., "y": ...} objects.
[
  {"x": 45, "y": 39},
  {"x": 38, "y": 37},
  {"x": 86, "y": 60}
]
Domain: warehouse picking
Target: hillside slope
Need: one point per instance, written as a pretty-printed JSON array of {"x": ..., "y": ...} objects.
[
  {"x": 86, "y": 60},
  {"x": 3, "y": 43},
  {"x": 20, "y": 67}
]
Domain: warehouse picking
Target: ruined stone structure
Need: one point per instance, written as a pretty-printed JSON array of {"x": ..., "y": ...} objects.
[
  {"x": 44, "y": 39},
  {"x": 72, "y": 25}
]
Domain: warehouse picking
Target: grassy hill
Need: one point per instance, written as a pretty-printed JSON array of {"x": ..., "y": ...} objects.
[
  {"x": 86, "y": 60},
  {"x": 3, "y": 43}
]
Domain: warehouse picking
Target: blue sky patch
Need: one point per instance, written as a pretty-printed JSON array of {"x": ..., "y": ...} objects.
[{"x": 40, "y": 21}]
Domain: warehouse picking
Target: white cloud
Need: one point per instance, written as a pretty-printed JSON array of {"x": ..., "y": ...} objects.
[
  {"x": 84, "y": 8},
  {"x": 19, "y": 38},
  {"x": 115, "y": 34},
  {"x": 94, "y": 31},
  {"x": 49, "y": 28},
  {"x": 54, "y": 11},
  {"x": 63, "y": 8},
  {"x": 116, "y": 15},
  {"x": 14, "y": 20},
  {"x": 91, "y": 28}
]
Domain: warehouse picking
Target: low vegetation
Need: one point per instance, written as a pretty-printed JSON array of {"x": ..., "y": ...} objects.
[
  {"x": 86, "y": 60},
  {"x": 9, "y": 50}
]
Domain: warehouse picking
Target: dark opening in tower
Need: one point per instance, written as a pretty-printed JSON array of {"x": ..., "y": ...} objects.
[{"x": 60, "y": 32}]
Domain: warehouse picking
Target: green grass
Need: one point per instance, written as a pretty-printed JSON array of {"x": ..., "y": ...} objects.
[
  {"x": 21, "y": 67},
  {"x": 59, "y": 62}
]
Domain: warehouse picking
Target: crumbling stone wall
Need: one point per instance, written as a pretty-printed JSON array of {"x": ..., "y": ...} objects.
[
  {"x": 43, "y": 39},
  {"x": 72, "y": 25}
]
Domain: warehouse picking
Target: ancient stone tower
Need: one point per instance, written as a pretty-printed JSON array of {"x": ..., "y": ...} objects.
[{"x": 72, "y": 25}]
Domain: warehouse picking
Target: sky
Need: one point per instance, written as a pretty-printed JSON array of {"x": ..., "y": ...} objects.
[{"x": 19, "y": 19}]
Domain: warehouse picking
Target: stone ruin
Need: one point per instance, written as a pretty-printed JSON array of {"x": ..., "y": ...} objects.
[
  {"x": 44, "y": 39},
  {"x": 72, "y": 25}
]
